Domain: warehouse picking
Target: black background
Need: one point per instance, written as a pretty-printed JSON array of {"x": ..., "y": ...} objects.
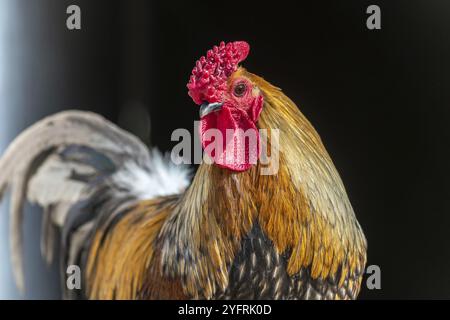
[{"x": 379, "y": 99}]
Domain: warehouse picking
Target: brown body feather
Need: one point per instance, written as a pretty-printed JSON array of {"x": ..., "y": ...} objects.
[{"x": 184, "y": 247}]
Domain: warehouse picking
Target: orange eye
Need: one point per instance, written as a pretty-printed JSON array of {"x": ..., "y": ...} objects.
[{"x": 240, "y": 89}]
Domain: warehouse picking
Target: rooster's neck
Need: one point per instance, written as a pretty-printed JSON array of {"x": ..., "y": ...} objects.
[{"x": 303, "y": 209}]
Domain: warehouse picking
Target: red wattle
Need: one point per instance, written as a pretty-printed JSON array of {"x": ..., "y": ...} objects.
[{"x": 230, "y": 138}]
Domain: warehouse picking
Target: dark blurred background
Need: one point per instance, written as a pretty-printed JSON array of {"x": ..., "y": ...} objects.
[{"x": 380, "y": 100}]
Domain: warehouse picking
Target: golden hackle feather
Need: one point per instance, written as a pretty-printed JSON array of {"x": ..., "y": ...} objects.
[
  {"x": 120, "y": 259},
  {"x": 303, "y": 209}
]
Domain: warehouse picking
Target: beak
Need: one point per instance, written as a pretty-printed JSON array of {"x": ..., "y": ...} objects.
[{"x": 206, "y": 108}]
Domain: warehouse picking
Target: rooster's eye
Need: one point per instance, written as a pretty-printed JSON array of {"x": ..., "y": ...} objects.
[{"x": 240, "y": 89}]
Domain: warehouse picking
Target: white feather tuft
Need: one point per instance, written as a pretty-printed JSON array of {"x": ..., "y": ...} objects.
[{"x": 165, "y": 178}]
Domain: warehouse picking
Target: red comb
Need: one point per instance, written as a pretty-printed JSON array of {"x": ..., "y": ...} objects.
[{"x": 210, "y": 74}]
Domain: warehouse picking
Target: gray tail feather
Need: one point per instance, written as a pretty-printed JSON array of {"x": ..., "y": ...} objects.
[{"x": 58, "y": 162}]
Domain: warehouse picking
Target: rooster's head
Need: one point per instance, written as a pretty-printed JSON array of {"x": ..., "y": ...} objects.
[{"x": 230, "y": 105}]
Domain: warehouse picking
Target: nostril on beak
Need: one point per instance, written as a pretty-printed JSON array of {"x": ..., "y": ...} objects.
[{"x": 206, "y": 108}]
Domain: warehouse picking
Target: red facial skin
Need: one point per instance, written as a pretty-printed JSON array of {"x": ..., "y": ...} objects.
[
  {"x": 241, "y": 108},
  {"x": 242, "y": 105}
]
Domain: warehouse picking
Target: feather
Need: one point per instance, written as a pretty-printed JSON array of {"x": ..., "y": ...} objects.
[{"x": 62, "y": 163}]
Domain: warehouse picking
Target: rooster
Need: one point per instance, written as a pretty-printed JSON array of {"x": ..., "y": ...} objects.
[{"x": 138, "y": 228}]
